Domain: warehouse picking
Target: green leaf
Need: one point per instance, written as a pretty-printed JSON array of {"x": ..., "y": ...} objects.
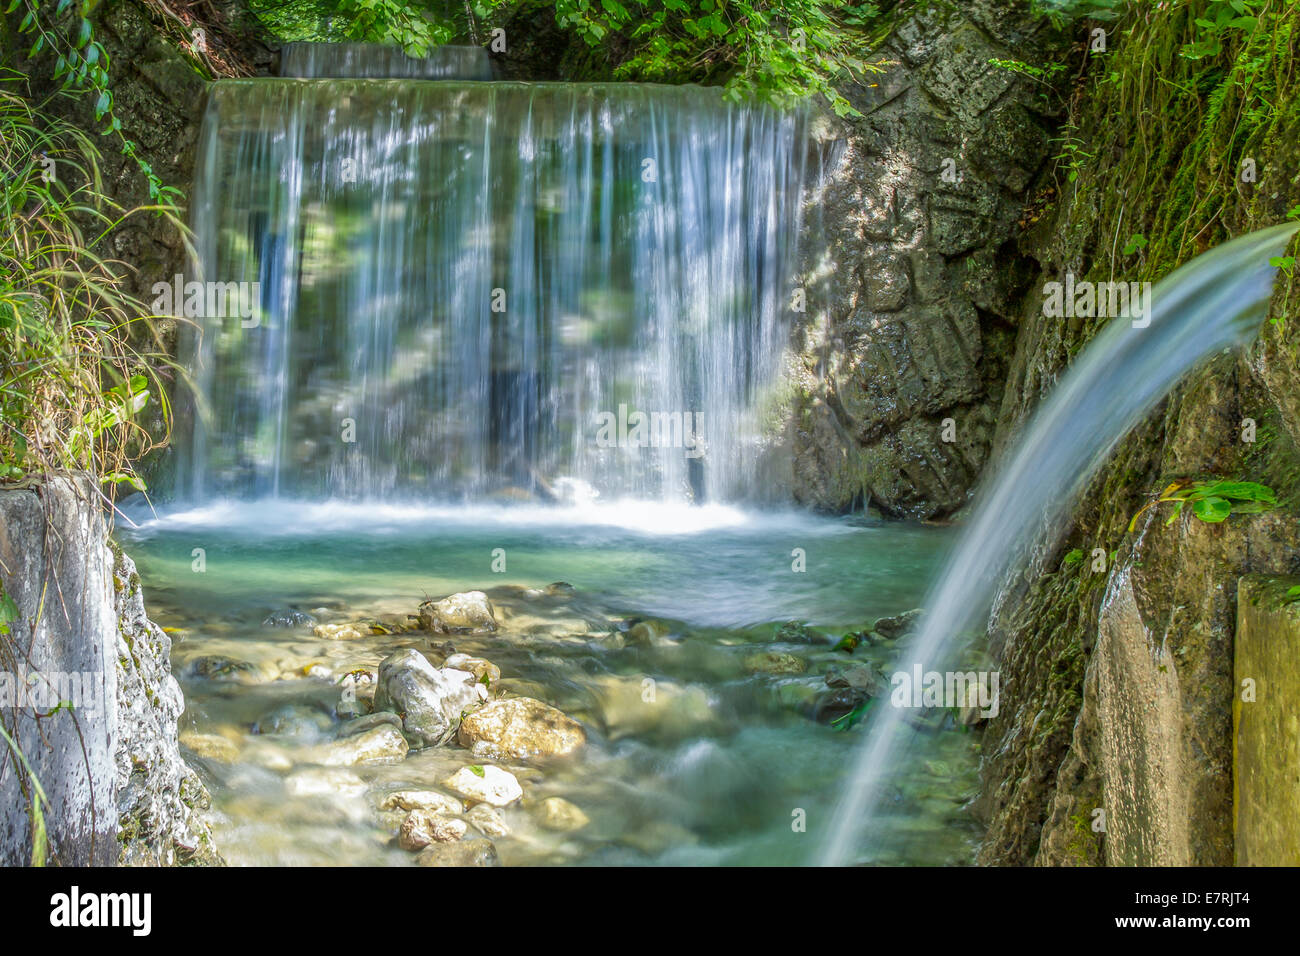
[
  {"x": 8, "y": 609},
  {"x": 1211, "y": 510}
]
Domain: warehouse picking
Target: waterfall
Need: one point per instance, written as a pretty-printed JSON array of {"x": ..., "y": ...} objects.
[
  {"x": 380, "y": 61},
  {"x": 461, "y": 287},
  {"x": 1214, "y": 302}
]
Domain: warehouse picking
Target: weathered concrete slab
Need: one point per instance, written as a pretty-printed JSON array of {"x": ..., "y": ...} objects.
[{"x": 1266, "y": 723}]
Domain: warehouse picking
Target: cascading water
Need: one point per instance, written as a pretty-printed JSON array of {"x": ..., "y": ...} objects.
[
  {"x": 380, "y": 61},
  {"x": 1214, "y": 302},
  {"x": 466, "y": 287}
]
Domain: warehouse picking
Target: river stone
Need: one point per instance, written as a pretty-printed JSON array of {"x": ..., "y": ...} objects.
[
  {"x": 351, "y": 631},
  {"x": 773, "y": 662},
  {"x": 324, "y": 781},
  {"x": 466, "y": 612},
  {"x": 368, "y": 722},
  {"x": 379, "y": 744},
  {"x": 429, "y": 800},
  {"x": 218, "y": 667},
  {"x": 647, "y": 633},
  {"x": 461, "y": 853},
  {"x": 633, "y": 706},
  {"x": 892, "y": 628},
  {"x": 488, "y": 820},
  {"x": 861, "y": 677},
  {"x": 477, "y": 666},
  {"x": 520, "y": 727},
  {"x": 210, "y": 747},
  {"x": 490, "y": 785},
  {"x": 293, "y": 720},
  {"x": 289, "y": 619},
  {"x": 429, "y": 701},
  {"x": 556, "y": 813},
  {"x": 423, "y": 827}
]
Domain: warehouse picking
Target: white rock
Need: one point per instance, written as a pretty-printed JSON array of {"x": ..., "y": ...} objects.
[{"x": 488, "y": 785}]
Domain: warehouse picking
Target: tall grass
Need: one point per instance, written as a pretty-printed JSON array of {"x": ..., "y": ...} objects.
[{"x": 80, "y": 356}]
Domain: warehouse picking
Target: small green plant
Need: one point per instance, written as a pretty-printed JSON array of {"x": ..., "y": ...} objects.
[
  {"x": 1043, "y": 74},
  {"x": 1224, "y": 19},
  {"x": 847, "y": 721},
  {"x": 848, "y": 643},
  {"x": 1072, "y": 557},
  {"x": 1072, "y": 156},
  {"x": 1136, "y": 243},
  {"x": 1212, "y": 501},
  {"x": 63, "y": 30},
  {"x": 477, "y": 770},
  {"x": 390, "y": 21}
]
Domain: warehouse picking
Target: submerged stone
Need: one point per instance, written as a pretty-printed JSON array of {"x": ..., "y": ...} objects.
[
  {"x": 520, "y": 727},
  {"x": 478, "y": 852},
  {"x": 424, "y": 827},
  {"x": 467, "y": 612}
]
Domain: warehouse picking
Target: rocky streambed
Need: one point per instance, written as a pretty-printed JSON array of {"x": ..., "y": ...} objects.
[{"x": 523, "y": 724}]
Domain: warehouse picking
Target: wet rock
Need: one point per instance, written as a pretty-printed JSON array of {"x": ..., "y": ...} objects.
[
  {"x": 477, "y": 666},
  {"x": 469, "y": 612},
  {"x": 861, "y": 677},
  {"x": 892, "y": 628},
  {"x": 485, "y": 784},
  {"x": 289, "y": 619},
  {"x": 424, "y": 827},
  {"x": 429, "y": 800},
  {"x": 350, "y": 631},
  {"x": 488, "y": 820},
  {"x": 324, "y": 781},
  {"x": 646, "y": 633},
  {"x": 369, "y": 721},
  {"x": 461, "y": 853},
  {"x": 520, "y": 727},
  {"x": 210, "y": 747},
  {"x": 833, "y": 704},
  {"x": 293, "y": 720},
  {"x": 659, "y": 835},
  {"x": 629, "y": 706},
  {"x": 772, "y": 662},
  {"x": 556, "y": 813},
  {"x": 268, "y": 756},
  {"x": 378, "y": 745},
  {"x": 429, "y": 701},
  {"x": 796, "y": 632},
  {"x": 218, "y": 667}
]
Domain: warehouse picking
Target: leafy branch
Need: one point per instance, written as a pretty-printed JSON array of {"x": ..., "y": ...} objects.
[{"x": 1212, "y": 501}]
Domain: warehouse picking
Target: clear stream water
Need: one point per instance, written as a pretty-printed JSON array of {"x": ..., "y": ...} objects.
[{"x": 712, "y": 772}]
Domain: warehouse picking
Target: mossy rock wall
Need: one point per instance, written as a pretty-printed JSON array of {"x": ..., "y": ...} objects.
[{"x": 1118, "y": 683}]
